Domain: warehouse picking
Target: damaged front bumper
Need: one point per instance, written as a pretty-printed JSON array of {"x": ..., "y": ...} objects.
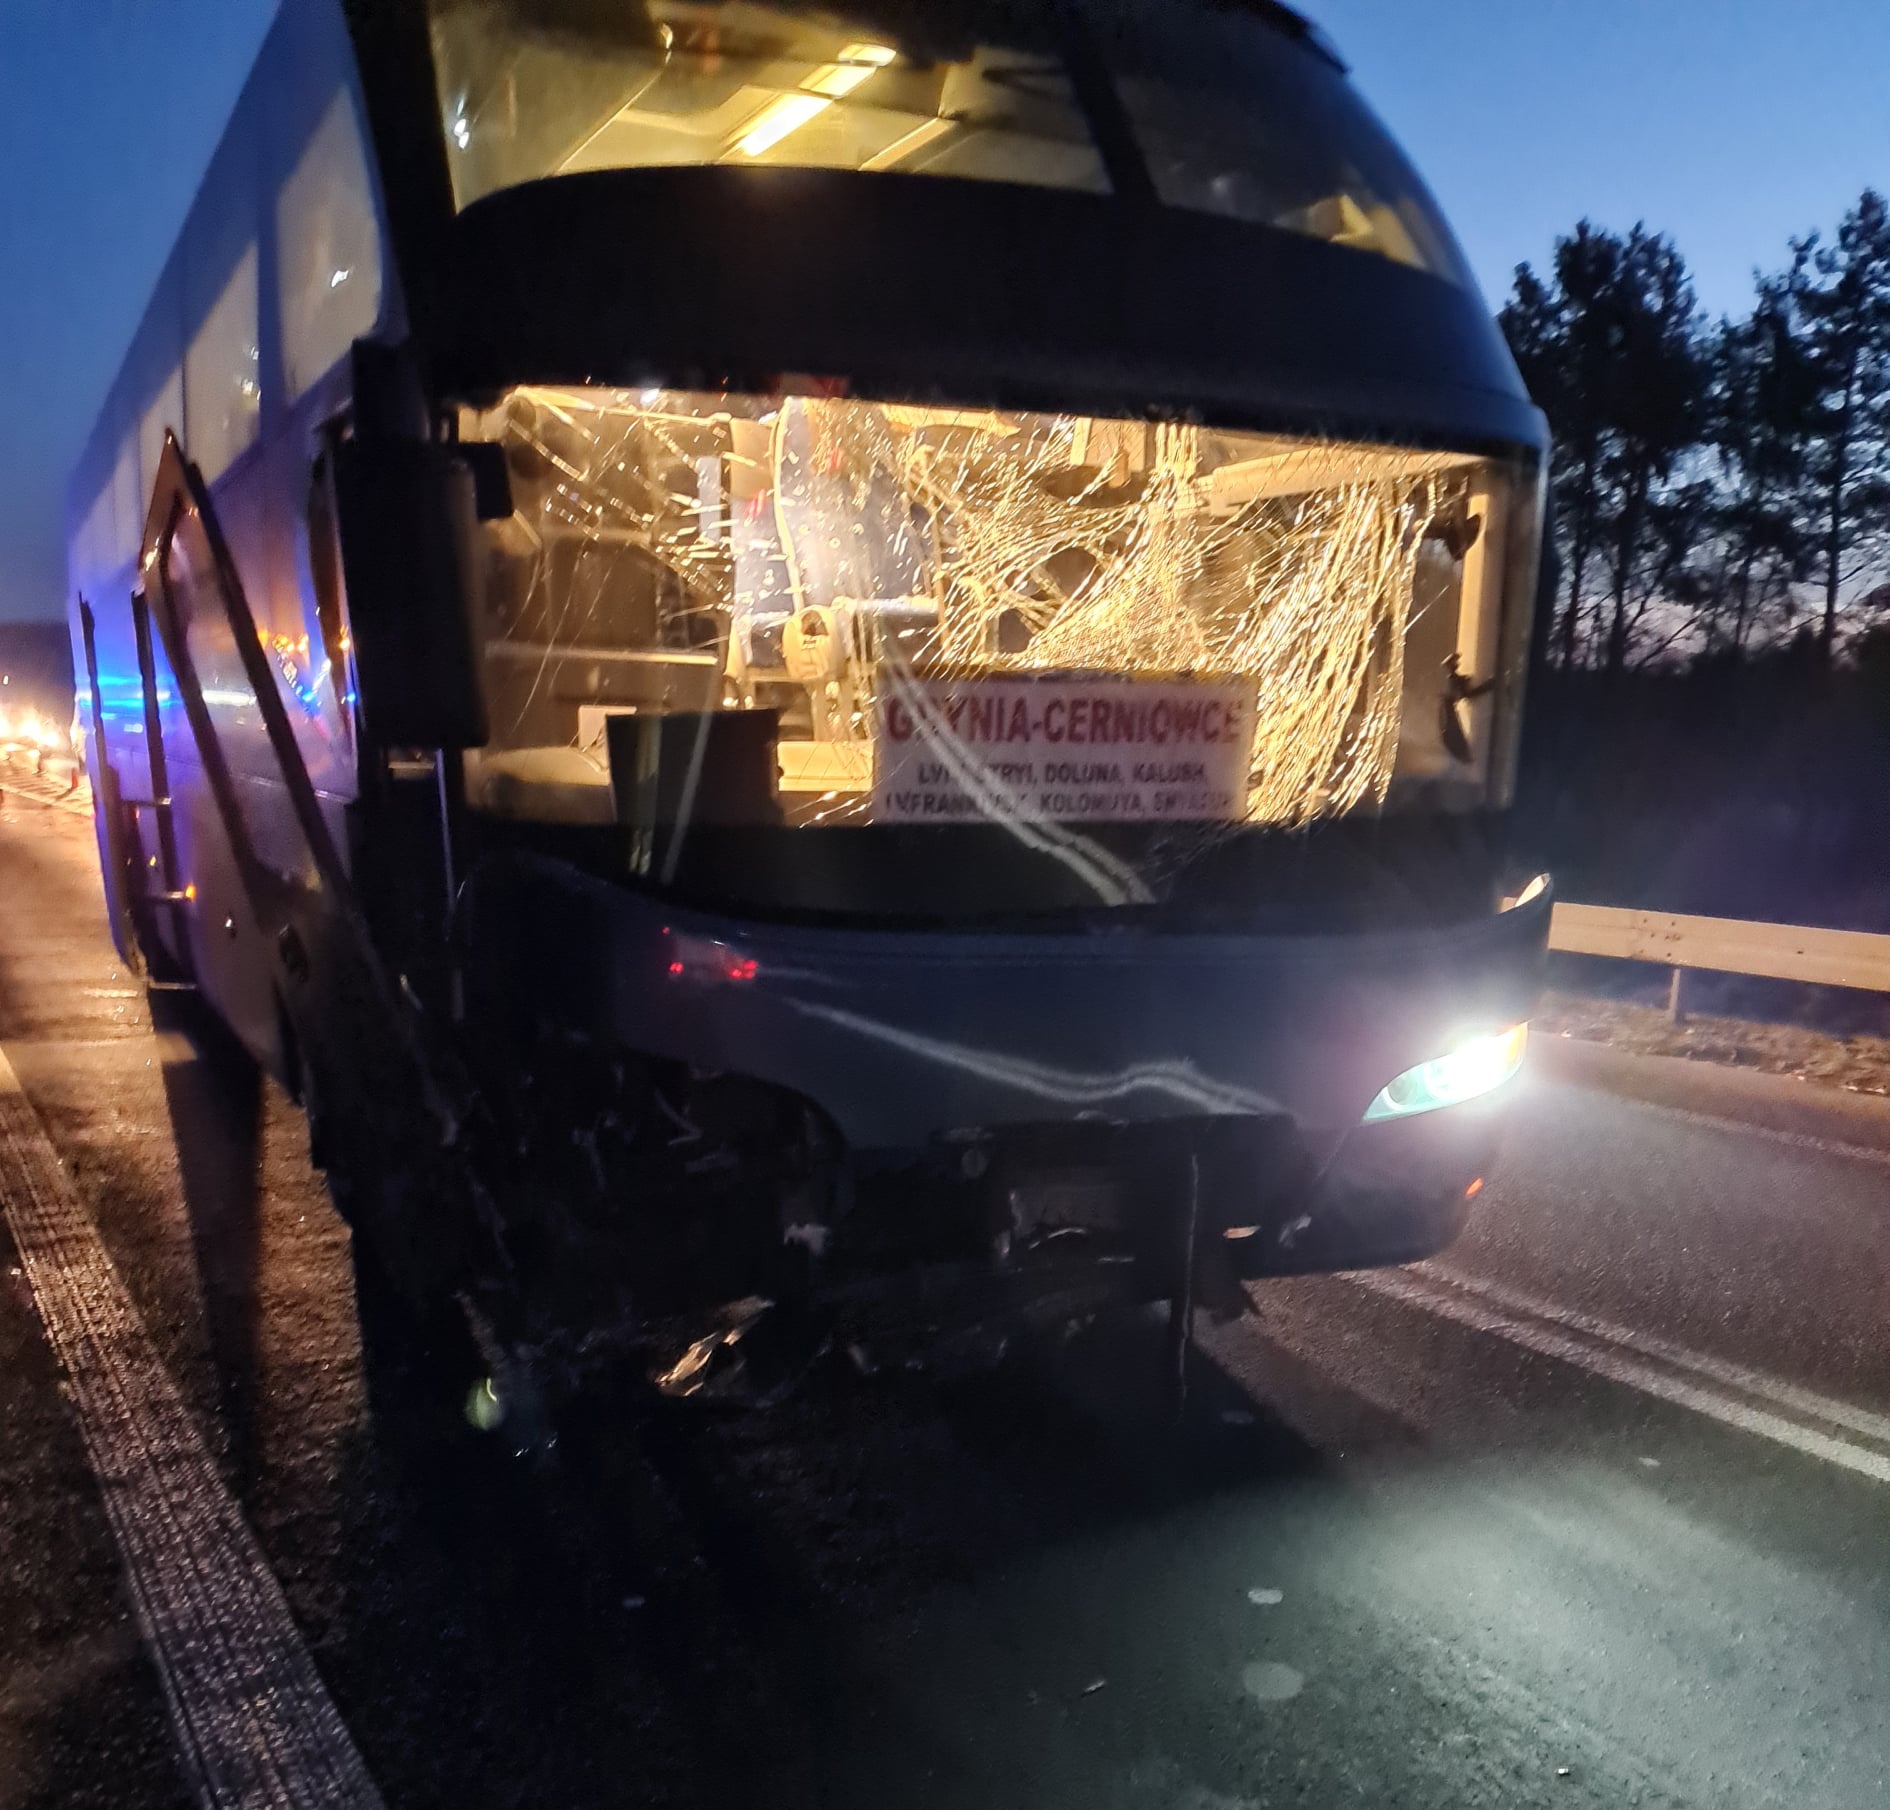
[{"x": 1019, "y": 1115}]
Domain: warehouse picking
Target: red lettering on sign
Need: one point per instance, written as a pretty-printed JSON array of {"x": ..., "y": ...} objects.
[
  {"x": 1019, "y": 730},
  {"x": 1053, "y": 720},
  {"x": 898, "y": 723}
]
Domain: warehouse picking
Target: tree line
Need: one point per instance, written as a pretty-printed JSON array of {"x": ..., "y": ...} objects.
[{"x": 1720, "y": 488}]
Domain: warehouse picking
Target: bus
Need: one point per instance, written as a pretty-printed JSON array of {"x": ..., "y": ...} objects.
[{"x": 854, "y": 663}]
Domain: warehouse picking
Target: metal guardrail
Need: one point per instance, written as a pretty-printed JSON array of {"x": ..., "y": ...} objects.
[{"x": 1833, "y": 958}]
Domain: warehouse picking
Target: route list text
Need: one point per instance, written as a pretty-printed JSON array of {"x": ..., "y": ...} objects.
[{"x": 1056, "y": 748}]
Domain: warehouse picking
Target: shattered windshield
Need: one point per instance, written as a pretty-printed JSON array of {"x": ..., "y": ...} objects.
[{"x": 1092, "y": 635}]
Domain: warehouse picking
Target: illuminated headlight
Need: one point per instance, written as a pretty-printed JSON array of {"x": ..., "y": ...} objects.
[
  {"x": 1528, "y": 894},
  {"x": 1478, "y": 1065}
]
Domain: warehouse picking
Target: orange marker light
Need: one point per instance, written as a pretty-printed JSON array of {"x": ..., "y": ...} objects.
[{"x": 1475, "y": 1188}]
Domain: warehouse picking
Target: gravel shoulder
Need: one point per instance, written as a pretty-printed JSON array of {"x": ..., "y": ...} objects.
[{"x": 1857, "y": 1064}]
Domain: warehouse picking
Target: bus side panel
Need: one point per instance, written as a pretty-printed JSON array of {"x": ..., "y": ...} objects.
[
  {"x": 222, "y": 949},
  {"x": 260, "y": 503},
  {"x": 233, "y": 965},
  {"x": 260, "y": 506}
]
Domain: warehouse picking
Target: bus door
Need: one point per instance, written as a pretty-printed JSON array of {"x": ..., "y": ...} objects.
[
  {"x": 137, "y": 930},
  {"x": 284, "y": 951},
  {"x": 231, "y": 835},
  {"x": 160, "y": 894}
]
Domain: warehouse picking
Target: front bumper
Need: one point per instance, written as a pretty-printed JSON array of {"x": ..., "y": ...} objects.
[
  {"x": 1392, "y": 1193},
  {"x": 1104, "y": 1056}
]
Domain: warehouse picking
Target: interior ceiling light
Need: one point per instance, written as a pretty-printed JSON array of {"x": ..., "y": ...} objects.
[
  {"x": 789, "y": 112},
  {"x": 925, "y": 133}
]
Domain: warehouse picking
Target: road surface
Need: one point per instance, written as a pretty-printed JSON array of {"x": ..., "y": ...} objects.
[{"x": 1593, "y": 1511}]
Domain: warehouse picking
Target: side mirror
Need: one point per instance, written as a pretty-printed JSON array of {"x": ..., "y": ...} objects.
[{"x": 407, "y": 517}]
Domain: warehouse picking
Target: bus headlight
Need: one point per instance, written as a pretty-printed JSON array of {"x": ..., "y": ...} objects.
[{"x": 1478, "y": 1065}]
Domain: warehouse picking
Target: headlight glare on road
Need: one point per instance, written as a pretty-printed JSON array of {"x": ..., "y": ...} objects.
[{"x": 1477, "y": 1065}]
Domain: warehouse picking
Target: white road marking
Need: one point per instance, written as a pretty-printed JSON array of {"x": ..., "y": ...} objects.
[
  {"x": 1770, "y": 1134},
  {"x": 253, "y": 1723},
  {"x": 1616, "y": 1366},
  {"x": 1781, "y": 1394}
]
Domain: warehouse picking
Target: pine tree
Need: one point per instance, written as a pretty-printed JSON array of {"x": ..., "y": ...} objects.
[
  {"x": 1611, "y": 351},
  {"x": 1763, "y": 416},
  {"x": 1840, "y": 293},
  {"x": 1563, "y": 338},
  {"x": 1657, "y": 407}
]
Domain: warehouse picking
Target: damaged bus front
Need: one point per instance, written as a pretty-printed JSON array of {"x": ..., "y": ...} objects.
[
  {"x": 1022, "y": 803},
  {"x": 863, "y": 655},
  {"x": 1004, "y": 825}
]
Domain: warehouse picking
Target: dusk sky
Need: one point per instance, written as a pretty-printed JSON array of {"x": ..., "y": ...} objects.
[{"x": 1731, "y": 124}]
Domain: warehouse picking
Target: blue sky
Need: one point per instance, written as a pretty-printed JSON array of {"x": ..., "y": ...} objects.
[
  {"x": 1731, "y": 124},
  {"x": 109, "y": 109}
]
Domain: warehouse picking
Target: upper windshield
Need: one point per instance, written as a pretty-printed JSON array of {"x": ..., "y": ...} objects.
[
  {"x": 529, "y": 92},
  {"x": 1111, "y": 644},
  {"x": 1228, "y": 114},
  {"x": 1233, "y": 119}
]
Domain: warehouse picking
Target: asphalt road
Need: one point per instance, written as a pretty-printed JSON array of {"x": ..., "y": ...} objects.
[{"x": 1594, "y": 1511}]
